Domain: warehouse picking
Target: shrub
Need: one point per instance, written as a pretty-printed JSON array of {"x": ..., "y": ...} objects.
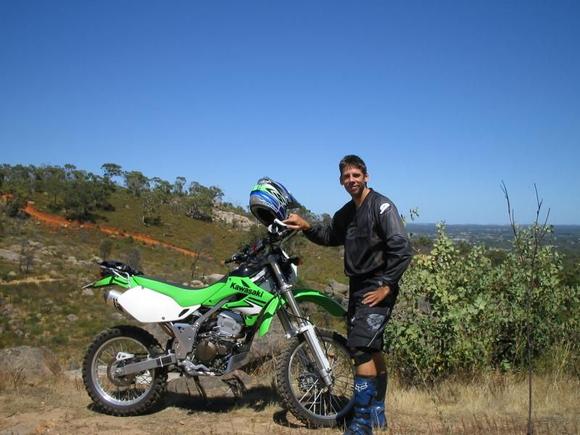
[{"x": 458, "y": 313}]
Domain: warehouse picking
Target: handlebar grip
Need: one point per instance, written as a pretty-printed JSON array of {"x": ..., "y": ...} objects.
[{"x": 236, "y": 258}]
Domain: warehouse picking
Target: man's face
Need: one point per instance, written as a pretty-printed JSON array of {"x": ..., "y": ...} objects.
[{"x": 353, "y": 180}]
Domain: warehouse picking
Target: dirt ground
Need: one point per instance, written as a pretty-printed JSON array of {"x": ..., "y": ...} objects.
[{"x": 62, "y": 406}]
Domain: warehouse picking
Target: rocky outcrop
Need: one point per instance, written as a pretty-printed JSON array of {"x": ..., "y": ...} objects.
[
  {"x": 9, "y": 255},
  {"x": 214, "y": 277},
  {"x": 28, "y": 364},
  {"x": 230, "y": 218}
]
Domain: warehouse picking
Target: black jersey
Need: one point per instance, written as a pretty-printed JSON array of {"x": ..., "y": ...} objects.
[{"x": 374, "y": 239}]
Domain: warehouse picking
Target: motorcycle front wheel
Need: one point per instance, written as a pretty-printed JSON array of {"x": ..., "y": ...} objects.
[
  {"x": 123, "y": 395},
  {"x": 303, "y": 391}
]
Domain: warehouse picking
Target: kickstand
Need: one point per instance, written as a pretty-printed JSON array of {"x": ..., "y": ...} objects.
[{"x": 199, "y": 388}]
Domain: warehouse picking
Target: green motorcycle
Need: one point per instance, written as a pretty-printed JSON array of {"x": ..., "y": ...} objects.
[{"x": 211, "y": 331}]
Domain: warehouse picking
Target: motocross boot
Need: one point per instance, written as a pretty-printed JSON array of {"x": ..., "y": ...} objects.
[
  {"x": 378, "y": 417},
  {"x": 364, "y": 392}
]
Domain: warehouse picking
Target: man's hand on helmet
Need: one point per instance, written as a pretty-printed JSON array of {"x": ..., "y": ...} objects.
[{"x": 297, "y": 222}]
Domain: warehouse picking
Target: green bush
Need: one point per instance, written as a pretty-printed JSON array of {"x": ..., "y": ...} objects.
[{"x": 458, "y": 313}]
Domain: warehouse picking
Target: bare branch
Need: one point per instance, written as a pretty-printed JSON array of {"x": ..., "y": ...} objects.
[
  {"x": 547, "y": 216},
  {"x": 528, "y": 260},
  {"x": 511, "y": 212},
  {"x": 538, "y": 204},
  {"x": 540, "y": 231}
]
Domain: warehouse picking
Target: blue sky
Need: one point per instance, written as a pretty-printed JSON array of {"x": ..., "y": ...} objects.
[{"x": 442, "y": 99}]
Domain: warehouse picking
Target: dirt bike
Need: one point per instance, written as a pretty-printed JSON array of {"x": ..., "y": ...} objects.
[{"x": 211, "y": 331}]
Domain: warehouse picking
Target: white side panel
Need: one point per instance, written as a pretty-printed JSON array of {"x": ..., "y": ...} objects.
[
  {"x": 248, "y": 311},
  {"x": 148, "y": 306}
]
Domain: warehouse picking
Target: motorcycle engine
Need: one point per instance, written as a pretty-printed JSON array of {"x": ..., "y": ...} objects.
[{"x": 219, "y": 337}]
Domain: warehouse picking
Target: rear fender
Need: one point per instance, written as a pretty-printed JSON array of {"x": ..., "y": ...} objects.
[
  {"x": 112, "y": 280},
  {"x": 301, "y": 295}
]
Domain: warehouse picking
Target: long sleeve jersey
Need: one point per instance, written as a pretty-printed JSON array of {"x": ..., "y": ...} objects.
[{"x": 374, "y": 239}]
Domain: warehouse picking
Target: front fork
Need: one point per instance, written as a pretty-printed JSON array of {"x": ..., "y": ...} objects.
[{"x": 302, "y": 326}]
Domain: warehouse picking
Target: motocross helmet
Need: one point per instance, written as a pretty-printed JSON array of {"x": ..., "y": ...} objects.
[{"x": 270, "y": 200}]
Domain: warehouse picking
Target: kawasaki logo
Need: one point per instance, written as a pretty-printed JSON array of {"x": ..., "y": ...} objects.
[{"x": 246, "y": 290}]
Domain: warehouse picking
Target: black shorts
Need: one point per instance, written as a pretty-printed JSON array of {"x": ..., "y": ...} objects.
[{"x": 366, "y": 324}]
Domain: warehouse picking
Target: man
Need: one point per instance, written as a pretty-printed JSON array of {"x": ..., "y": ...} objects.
[{"x": 376, "y": 253}]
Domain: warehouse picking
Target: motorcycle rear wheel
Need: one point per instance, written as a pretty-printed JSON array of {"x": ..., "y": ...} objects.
[
  {"x": 302, "y": 390},
  {"x": 123, "y": 395}
]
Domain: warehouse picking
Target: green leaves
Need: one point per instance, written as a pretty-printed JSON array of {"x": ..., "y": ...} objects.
[{"x": 459, "y": 313}]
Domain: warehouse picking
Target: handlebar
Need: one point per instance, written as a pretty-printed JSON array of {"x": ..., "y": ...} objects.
[
  {"x": 116, "y": 267},
  {"x": 278, "y": 232}
]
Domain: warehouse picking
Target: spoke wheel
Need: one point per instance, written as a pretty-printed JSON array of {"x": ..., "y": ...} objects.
[
  {"x": 303, "y": 391},
  {"x": 123, "y": 395}
]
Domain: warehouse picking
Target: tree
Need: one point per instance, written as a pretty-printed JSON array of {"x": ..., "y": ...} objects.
[
  {"x": 54, "y": 180},
  {"x": 201, "y": 201},
  {"x": 111, "y": 170},
  {"x": 14, "y": 206},
  {"x": 26, "y": 258},
  {"x": 18, "y": 180},
  {"x": 163, "y": 189},
  {"x": 201, "y": 248},
  {"x": 151, "y": 202},
  {"x": 37, "y": 178},
  {"x": 178, "y": 186},
  {"x": 4, "y": 169},
  {"x": 528, "y": 246},
  {"x": 69, "y": 170},
  {"x": 136, "y": 182},
  {"x": 84, "y": 193}
]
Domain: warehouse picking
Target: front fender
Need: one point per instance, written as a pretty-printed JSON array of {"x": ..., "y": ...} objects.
[
  {"x": 319, "y": 298},
  {"x": 301, "y": 295}
]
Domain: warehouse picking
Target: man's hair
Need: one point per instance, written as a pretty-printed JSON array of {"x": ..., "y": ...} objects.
[{"x": 352, "y": 160}]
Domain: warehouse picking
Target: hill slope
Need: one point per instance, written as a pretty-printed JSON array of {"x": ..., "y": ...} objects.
[{"x": 44, "y": 305}]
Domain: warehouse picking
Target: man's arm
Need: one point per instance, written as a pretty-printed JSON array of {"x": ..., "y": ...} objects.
[
  {"x": 398, "y": 248},
  {"x": 320, "y": 234},
  {"x": 398, "y": 254}
]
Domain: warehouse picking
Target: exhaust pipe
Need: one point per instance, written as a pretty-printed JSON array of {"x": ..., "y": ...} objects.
[{"x": 111, "y": 297}]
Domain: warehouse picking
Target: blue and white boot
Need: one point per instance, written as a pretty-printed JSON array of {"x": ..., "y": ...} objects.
[
  {"x": 365, "y": 390},
  {"x": 378, "y": 417}
]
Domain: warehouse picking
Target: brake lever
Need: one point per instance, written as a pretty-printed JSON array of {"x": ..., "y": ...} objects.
[{"x": 277, "y": 227}]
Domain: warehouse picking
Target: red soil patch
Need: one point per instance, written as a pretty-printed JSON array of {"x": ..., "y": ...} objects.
[{"x": 59, "y": 221}]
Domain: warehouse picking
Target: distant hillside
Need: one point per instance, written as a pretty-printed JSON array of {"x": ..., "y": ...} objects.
[{"x": 566, "y": 237}]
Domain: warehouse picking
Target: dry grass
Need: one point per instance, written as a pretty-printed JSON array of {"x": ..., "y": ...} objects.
[{"x": 494, "y": 404}]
